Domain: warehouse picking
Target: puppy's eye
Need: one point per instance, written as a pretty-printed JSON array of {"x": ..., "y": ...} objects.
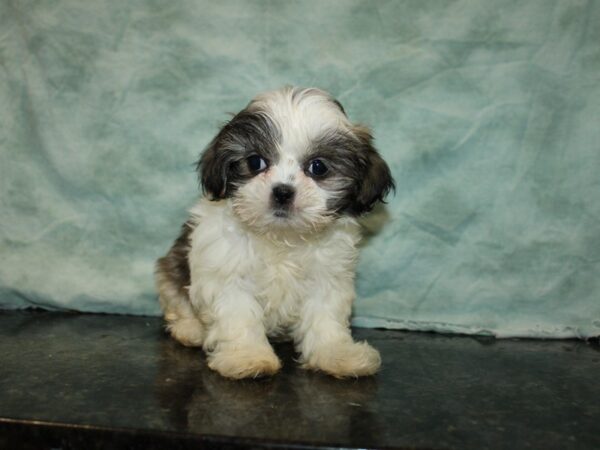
[
  {"x": 317, "y": 168},
  {"x": 256, "y": 163}
]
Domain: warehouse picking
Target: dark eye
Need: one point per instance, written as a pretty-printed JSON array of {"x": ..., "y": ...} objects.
[
  {"x": 256, "y": 163},
  {"x": 317, "y": 167}
]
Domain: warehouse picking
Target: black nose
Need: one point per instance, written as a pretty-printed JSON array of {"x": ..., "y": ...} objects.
[{"x": 283, "y": 194}]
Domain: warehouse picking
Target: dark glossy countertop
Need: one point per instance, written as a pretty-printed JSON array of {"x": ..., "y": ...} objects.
[{"x": 100, "y": 381}]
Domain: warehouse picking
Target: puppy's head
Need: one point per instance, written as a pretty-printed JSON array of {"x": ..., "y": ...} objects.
[{"x": 292, "y": 160}]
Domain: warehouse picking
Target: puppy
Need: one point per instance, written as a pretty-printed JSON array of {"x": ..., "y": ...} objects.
[{"x": 270, "y": 250}]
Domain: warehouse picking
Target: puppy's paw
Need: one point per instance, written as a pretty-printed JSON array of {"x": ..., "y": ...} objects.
[
  {"x": 187, "y": 331},
  {"x": 355, "y": 359},
  {"x": 244, "y": 362}
]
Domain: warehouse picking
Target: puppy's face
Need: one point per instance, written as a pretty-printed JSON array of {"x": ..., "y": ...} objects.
[{"x": 292, "y": 160}]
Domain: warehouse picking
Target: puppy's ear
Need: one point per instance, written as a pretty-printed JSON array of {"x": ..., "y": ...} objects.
[
  {"x": 213, "y": 169},
  {"x": 376, "y": 181}
]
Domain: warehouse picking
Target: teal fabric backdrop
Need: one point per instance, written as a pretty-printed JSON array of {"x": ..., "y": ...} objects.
[{"x": 488, "y": 112}]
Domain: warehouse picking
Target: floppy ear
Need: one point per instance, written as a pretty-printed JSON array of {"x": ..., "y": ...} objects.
[
  {"x": 376, "y": 181},
  {"x": 212, "y": 170},
  {"x": 217, "y": 165}
]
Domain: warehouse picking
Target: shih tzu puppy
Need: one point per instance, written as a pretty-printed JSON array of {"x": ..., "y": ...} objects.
[{"x": 270, "y": 250}]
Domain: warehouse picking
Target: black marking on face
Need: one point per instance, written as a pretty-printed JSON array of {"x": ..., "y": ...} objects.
[
  {"x": 356, "y": 175},
  {"x": 230, "y": 158}
]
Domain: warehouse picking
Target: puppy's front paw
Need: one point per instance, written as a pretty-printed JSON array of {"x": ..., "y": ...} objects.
[
  {"x": 244, "y": 362},
  {"x": 355, "y": 359}
]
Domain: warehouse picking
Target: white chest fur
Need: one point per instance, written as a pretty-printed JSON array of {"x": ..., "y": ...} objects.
[{"x": 277, "y": 272}]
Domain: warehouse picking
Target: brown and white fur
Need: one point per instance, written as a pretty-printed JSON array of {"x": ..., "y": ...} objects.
[{"x": 270, "y": 250}]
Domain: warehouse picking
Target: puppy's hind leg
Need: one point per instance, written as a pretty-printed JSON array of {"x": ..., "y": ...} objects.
[
  {"x": 172, "y": 281},
  {"x": 182, "y": 322}
]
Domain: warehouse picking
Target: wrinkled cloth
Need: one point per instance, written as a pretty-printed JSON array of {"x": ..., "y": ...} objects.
[{"x": 487, "y": 112}]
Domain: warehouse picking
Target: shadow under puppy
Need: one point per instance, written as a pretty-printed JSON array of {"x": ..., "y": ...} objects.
[{"x": 270, "y": 250}]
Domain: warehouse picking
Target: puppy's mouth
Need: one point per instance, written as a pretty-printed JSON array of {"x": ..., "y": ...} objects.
[{"x": 281, "y": 213}]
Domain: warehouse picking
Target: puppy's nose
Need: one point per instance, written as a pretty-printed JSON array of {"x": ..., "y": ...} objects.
[{"x": 283, "y": 194}]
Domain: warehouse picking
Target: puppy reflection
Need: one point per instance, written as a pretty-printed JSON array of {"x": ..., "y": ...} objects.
[
  {"x": 290, "y": 406},
  {"x": 270, "y": 250}
]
